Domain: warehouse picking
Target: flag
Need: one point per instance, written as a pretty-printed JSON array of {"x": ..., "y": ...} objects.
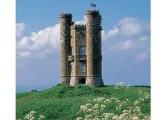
[{"x": 93, "y": 5}]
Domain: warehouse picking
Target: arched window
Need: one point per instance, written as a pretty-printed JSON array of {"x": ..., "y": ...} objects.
[{"x": 82, "y": 50}]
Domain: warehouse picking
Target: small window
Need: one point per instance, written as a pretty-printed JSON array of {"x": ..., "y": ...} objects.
[
  {"x": 82, "y": 50},
  {"x": 82, "y": 67}
]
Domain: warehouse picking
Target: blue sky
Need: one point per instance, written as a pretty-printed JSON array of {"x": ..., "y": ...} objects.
[{"x": 125, "y": 38}]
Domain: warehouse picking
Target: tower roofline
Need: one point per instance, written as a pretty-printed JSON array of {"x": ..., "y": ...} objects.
[
  {"x": 65, "y": 15},
  {"x": 92, "y": 11},
  {"x": 78, "y": 26}
]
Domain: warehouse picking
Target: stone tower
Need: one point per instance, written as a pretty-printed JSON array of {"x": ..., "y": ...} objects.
[
  {"x": 94, "y": 52},
  {"x": 65, "y": 40},
  {"x": 81, "y": 54}
]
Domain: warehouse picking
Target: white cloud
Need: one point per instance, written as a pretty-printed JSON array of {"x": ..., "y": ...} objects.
[
  {"x": 121, "y": 46},
  {"x": 131, "y": 35},
  {"x": 111, "y": 33},
  {"x": 20, "y": 30},
  {"x": 130, "y": 27},
  {"x": 24, "y": 54},
  {"x": 81, "y": 21},
  {"x": 127, "y": 45},
  {"x": 38, "y": 43}
]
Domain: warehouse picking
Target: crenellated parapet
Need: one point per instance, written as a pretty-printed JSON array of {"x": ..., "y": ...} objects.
[
  {"x": 78, "y": 26},
  {"x": 92, "y": 11},
  {"x": 65, "y": 15}
]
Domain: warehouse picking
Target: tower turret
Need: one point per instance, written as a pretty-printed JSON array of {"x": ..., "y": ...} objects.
[
  {"x": 94, "y": 52},
  {"x": 65, "y": 38}
]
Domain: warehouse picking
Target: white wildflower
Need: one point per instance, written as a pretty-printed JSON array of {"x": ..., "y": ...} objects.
[
  {"x": 96, "y": 106},
  {"x": 88, "y": 116},
  {"x": 83, "y": 108},
  {"x": 41, "y": 117},
  {"x": 135, "y": 118},
  {"x": 89, "y": 110},
  {"x": 99, "y": 99},
  {"x": 79, "y": 118},
  {"x": 88, "y": 104},
  {"x": 103, "y": 106},
  {"x": 95, "y": 112},
  {"x": 96, "y": 119}
]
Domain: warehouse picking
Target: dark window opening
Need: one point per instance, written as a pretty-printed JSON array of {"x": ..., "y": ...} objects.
[
  {"x": 82, "y": 66},
  {"x": 82, "y": 50}
]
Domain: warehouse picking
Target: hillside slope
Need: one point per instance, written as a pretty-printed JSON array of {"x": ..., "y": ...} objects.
[{"x": 63, "y": 102}]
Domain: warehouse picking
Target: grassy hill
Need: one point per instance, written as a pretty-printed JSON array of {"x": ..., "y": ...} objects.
[{"x": 63, "y": 102}]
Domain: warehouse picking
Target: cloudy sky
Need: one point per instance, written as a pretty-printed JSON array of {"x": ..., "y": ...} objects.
[{"x": 125, "y": 40}]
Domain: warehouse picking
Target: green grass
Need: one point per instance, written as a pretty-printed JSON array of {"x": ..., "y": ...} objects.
[{"x": 62, "y": 102}]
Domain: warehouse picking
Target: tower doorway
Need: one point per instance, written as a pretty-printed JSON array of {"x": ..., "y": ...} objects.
[{"x": 82, "y": 81}]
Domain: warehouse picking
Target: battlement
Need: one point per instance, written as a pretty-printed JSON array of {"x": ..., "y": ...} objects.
[
  {"x": 65, "y": 15},
  {"x": 78, "y": 26},
  {"x": 92, "y": 12}
]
